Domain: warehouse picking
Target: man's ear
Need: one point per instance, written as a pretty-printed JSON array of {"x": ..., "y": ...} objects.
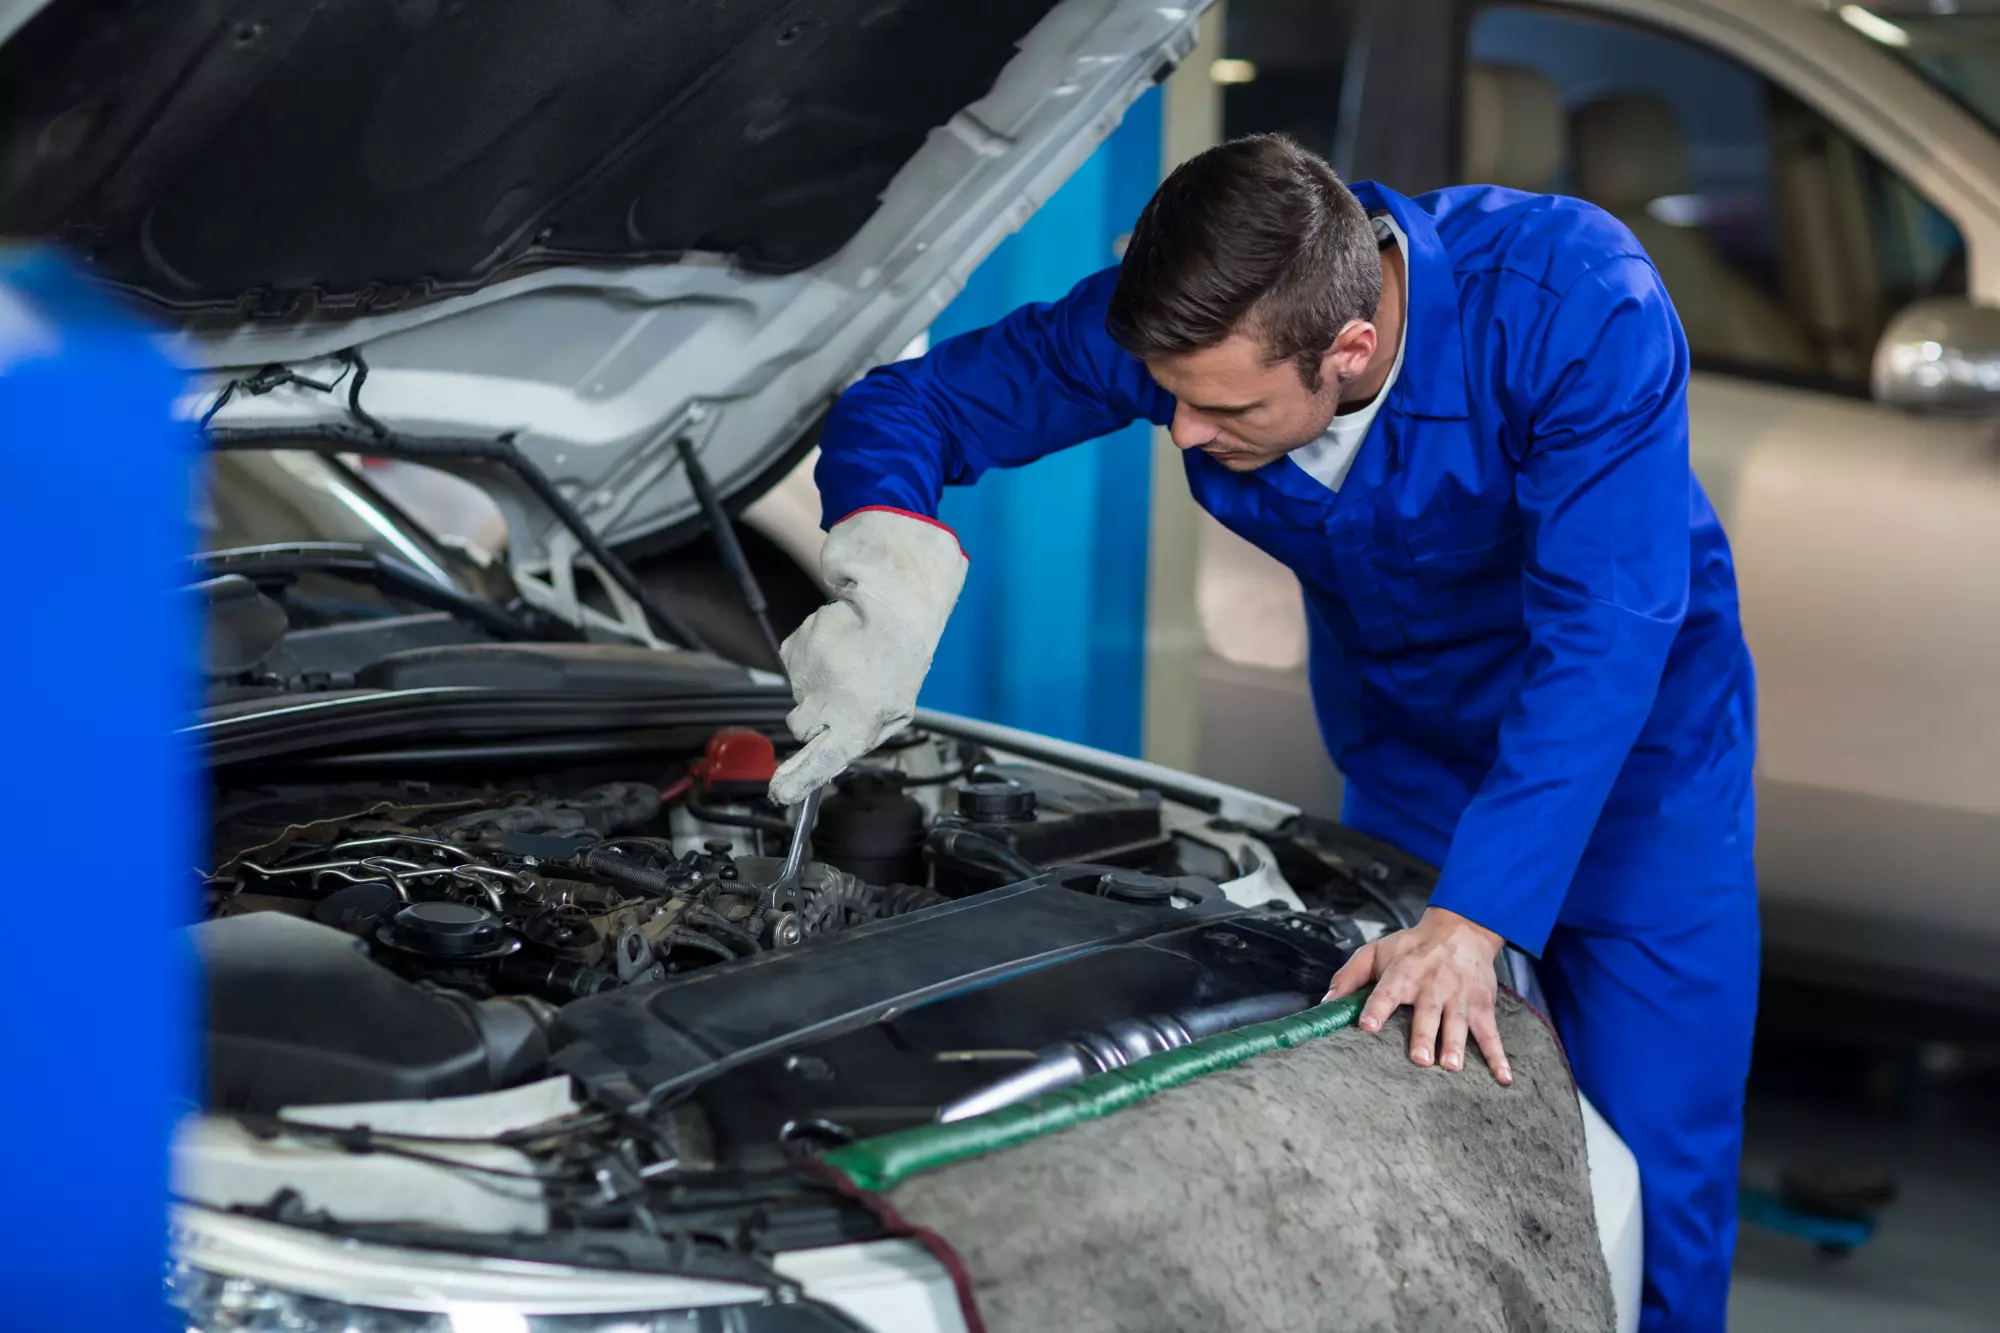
[{"x": 1350, "y": 353}]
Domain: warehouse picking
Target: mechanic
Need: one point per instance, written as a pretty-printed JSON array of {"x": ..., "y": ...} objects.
[{"x": 1461, "y": 420}]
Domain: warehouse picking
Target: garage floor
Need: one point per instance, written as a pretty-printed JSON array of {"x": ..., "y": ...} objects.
[{"x": 1902, "y": 1088}]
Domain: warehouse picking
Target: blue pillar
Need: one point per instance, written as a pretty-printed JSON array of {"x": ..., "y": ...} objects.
[
  {"x": 97, "y": 676},
  {"x": 1050, "y": 631}
]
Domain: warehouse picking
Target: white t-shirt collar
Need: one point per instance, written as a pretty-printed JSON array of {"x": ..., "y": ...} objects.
[{"x": 1328, "y": 458}]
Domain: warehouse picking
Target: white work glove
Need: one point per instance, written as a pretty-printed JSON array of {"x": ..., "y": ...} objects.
[{"x": 857, "y": 663}]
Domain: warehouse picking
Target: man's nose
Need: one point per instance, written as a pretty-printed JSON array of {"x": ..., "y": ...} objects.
[{"x": 1189, "y": 430}]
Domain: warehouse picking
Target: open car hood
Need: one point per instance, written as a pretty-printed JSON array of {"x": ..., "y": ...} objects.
[{"x": 591, "y": 228}]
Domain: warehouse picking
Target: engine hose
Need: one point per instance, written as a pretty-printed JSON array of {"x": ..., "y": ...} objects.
[
  {"x": 627, "y": 873},
  {"x": 899, "y": 899},
  {"x": 554, "y": 979},
  {"x": 977, "y": 847},
  {"x": 679, "y": 937},
  {"x": 722, "y": 926},
  {"x": 731, "y": 819}
]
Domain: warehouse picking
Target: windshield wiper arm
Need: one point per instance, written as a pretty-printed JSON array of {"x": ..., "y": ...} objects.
[
  {"x": 281, "y": 563},
  {"x": 334, "y": 440}
]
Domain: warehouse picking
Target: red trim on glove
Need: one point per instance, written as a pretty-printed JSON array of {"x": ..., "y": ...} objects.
[{"x": 921, "y": 518}]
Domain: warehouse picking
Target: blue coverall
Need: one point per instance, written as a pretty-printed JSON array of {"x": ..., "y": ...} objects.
[{"x": 1525, "y": 651}]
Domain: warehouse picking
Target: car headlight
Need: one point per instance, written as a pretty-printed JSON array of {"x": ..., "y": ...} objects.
[
  {"x": 237, "y": 1275},
  {"x": 213, "y": 1303}
]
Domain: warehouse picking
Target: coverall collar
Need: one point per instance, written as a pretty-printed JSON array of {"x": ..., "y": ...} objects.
[{"x": 1432, "y": 383}]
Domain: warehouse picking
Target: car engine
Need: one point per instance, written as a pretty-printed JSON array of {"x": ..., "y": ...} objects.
[{"x": 397, "y": 939}]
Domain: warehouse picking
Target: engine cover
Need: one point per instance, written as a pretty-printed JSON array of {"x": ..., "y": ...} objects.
[{"x": 298, "y": 1015}]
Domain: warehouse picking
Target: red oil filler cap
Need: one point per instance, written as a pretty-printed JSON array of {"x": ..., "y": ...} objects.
[{"x": 736, "y": 764}]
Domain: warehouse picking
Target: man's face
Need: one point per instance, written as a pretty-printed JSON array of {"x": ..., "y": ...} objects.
[{"x": 1244, "y": 412}]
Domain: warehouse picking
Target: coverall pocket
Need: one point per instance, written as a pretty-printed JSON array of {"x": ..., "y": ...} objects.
[
  {"x": 1375, "y": 581},
  {"x": 1468, "y": 566}
]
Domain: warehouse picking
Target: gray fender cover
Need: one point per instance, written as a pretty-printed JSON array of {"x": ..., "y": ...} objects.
[{"x": 1289, "y": 1176}]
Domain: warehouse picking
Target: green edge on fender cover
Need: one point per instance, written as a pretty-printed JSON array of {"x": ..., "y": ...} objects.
[{"x": 885, "y": 1162}]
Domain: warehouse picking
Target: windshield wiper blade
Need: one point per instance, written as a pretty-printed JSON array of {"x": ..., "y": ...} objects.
[{"x": 281, "y": 563}]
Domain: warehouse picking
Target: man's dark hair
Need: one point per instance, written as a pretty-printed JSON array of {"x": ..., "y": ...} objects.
[{"x": 1256, "y": 235}]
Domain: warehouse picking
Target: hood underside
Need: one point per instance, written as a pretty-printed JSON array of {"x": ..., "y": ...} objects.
[
  {"x": 366, "y": 153},
  {"x": 593, "y": 227}
]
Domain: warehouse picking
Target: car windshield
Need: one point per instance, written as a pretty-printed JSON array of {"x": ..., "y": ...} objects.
[
  {"x": 1955, "y": 44},
  {"x": 282, "y": 497}
]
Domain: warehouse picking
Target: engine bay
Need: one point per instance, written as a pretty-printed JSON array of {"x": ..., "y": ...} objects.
[
  {"x": 565, "y": 1000},
  {"x": 464, "y": 906}
]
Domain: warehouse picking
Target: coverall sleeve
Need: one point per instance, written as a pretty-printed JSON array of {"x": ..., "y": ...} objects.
[
  {"x": 1043, "y": 378},
  {"x": 1603, "y": 489}
]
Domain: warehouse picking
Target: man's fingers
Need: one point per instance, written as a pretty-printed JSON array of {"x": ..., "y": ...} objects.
[
  {"x": 1424, "y": 1020},
  {"x": 1486, "y": 1031},
  {"x": 1451, "y": 1042},
  {"x": 1390, "y": 994},
  {"x": 1355, "y": 973},
  {"x": 818, "y": 762}
]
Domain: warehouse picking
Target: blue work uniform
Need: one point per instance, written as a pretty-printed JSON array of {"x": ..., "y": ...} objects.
[{"x": 1525, "y": 651}]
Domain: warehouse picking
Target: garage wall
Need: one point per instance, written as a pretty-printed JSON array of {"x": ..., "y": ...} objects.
[{"x": 1050, "y": 630}]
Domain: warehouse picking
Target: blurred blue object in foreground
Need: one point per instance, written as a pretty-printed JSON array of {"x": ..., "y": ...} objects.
[{"x": 95, "y": 679}]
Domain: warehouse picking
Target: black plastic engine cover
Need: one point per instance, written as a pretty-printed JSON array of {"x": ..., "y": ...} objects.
[
  {"x": 877, "y": 1027},
  {"x": 298, "y": 1014}
]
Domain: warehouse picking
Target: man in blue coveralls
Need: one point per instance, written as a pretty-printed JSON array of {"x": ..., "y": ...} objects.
[{"x": 1462, "y": 421}]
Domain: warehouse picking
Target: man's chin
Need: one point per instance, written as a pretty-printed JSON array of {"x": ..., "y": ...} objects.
[{"x": 1237, "y": 460}]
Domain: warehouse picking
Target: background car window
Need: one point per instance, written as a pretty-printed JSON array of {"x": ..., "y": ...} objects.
[
  {"x": 1960, "y": 53},
  {"x": 1785, "y": 247}
]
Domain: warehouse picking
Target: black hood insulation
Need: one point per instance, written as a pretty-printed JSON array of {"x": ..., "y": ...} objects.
[{"x": 266, "y": 158}]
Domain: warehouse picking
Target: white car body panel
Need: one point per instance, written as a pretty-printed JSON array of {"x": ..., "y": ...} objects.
[
  {"x": 885, "y": 1284},
  {"x": 1614, "y": 1195}
]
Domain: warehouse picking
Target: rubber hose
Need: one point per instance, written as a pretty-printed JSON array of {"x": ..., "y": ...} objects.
[
  {"x": 694, "y": 939},
  {"x": 899, "y": 899},
  {"x": 978, "y": 847},
  {"x": 721, "y": 925},
  {"x": 730, "y": 819},
  {"x": 627, "y": 873}
]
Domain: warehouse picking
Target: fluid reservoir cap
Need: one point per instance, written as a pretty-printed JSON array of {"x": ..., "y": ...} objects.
[
  {"x": 1133, "y": 886},
  {"x": 736, "y": 756},
  {"x": 996, "y": 799},
  {"x": 448, "y": 930}
]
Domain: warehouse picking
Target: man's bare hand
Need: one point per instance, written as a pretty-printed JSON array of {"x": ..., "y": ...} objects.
[{"x": 1442, "y": 967}]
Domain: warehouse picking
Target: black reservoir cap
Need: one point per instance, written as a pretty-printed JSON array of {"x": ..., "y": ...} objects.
[
  {"x": 996, "y": 799},
  {"x": 446, "y": 930}
]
